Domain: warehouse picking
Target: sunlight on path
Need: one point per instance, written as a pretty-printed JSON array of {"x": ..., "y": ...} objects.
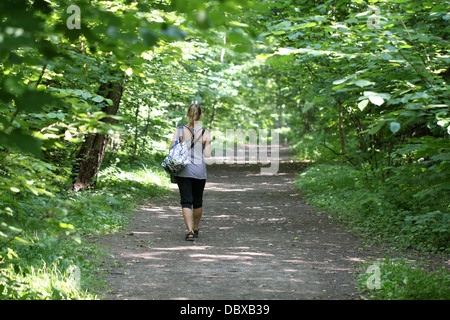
[{"x": 258, "y": 240}]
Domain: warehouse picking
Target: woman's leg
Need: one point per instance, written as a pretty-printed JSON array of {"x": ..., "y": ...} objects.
[
  {"x": 188, "y": 219},
  {"x": 198, "y": 185},
  {"x": 197, "y": 217},
  {"x": 185, "y": 188}
]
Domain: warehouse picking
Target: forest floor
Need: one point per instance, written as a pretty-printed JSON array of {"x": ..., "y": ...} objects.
[{"x": 258, "y": 240}]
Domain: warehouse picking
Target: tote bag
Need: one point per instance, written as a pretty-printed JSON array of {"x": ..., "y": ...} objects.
[{"x": 178, "y": 157}]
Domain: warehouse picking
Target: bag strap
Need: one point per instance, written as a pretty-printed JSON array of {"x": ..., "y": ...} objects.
[
  {"x": 193, "y": 135},
  {"x": 180, "y": 129},
  {"x": 189, "y": 130},
  {"x": 198, "y": 138},
  {"x": 178, "y": 134}
]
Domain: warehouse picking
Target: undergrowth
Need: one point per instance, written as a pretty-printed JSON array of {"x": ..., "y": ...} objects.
[
  {"x": 47, "y": 259},
  {"x": 381, "y": 212},
  {"x": 402, "y": 279},
  {"x": 404, "y": 207},
  {"x": 390, "y": 214}
]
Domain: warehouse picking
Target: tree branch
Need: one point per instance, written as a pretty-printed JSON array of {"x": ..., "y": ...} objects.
[{"x": 336, "y": 153}]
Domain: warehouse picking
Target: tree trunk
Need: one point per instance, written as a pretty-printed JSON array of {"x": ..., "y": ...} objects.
[
  {"x": 92, "y": 151},
  {"x": 341, "y": 130},
  {"x": 211, "y": 123},
  {"x": 136, "y": 132}
]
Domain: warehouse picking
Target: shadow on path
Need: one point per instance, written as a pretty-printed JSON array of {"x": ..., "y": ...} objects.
[{"x": 258, "y": 240}]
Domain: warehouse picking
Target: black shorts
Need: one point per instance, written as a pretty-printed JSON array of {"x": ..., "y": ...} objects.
[{"x": 191, "y": 192}]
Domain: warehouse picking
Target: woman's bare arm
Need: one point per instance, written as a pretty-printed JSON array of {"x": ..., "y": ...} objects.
[
  {"x": 207, "y": 142},
  {"x": 174, "y": 137}
]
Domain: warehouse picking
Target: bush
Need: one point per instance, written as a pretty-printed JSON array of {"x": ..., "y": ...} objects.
[
  {"x": 381, "y": 210},
  {"x": 45, "y": 246},
  {"x": 310, "y": 147},
  {"x": 401, "y": 279}
]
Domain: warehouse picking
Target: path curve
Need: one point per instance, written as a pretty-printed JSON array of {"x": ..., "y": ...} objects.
[{"x": 258, "y": 240}]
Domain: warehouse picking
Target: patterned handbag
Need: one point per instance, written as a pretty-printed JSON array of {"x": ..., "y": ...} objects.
[{"x": 179, "y": 156}]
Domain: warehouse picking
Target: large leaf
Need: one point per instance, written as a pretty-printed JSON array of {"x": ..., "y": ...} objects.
[
  {"x": 34, "y": 100},
  {"x": 363, "y": 104},
  {"x": 363, "y": 83},
  {"x": 376, "y": 98},
  {"x": 19, "y": 141}
]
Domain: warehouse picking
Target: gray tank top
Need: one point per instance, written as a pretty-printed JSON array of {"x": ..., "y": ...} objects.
[{"x": 197, "y": 168}]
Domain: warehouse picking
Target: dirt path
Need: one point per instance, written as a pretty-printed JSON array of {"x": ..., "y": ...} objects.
[{"x": 258, "y": 240}]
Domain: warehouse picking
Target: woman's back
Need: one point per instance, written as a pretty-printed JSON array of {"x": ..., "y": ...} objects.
[
  {"x": 191, "y": 179},
  {"x": 197, "y": 168}
]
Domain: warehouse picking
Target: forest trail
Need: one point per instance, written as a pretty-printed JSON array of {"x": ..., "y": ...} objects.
[{"x": 258, "y": 240}]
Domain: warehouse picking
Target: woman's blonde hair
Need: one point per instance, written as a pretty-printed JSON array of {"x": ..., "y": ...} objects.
[{"x": 193, "y": 114}]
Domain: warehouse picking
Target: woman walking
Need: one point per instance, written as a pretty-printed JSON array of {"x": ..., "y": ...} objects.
[{"x": 191, "y": 179}]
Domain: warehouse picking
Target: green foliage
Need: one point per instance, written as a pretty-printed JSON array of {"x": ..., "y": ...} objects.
[
  {"x": 319, "y": 147},
  {"x": 374, "y": 98},
  {"x": 137, "y": 179},
  {"x": 52, "y": 79},
  {"x": 379, "y": 87},
  {"x": 392, "y": 213},
  {"x": 46, "y": 271},
  {"x": 48, "y": 237},
  {"x": 315, "y": 71},
  {"x": 401, "y": 279}
]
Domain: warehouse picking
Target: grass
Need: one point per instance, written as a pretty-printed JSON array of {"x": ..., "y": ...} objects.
[
  {"x": 378, "y": 210},
  {"x": 55, "y": 260},
  {"x": 393, "y": 213},
  {"x": 402, "y": 279}
]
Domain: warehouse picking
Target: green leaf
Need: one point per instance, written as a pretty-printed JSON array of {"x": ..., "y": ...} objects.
[
  {"x": 363, "y": 83},
  {"x": 34, "y": 100},
  {"x": 304, "y": 25},
  {"x": 376, "y": 127},
  {"x": 237, "y": 36},
  {"x": 172, "y": 33},
  {"x": 66, "y": 226},
  {"x": 14, "y": 189},
  {"x": 340, "y": 81},
  {"x": 98, "y": 99},
  {"x": 22, "y": 240},
  {"x": 308, "y": 106},
  {"x": 149, "y": 36},
  {"x": 23, "y": 142},
  {"x": 376, "y": 100},
  {"x": 363, "y": 104}
]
